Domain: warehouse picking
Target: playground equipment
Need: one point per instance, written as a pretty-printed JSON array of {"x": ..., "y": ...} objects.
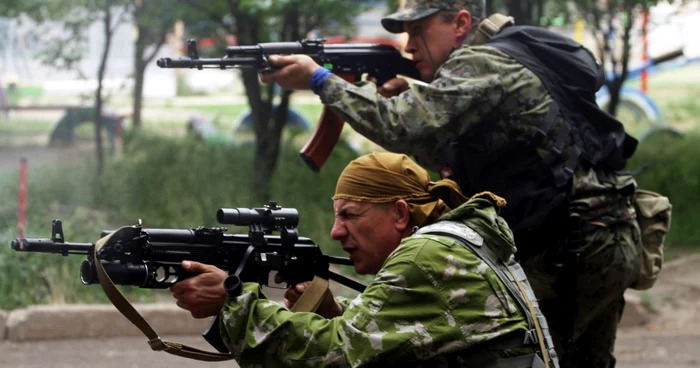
[
  {"x": 640, "y": 114},
  {"x": 63, "y": 131},
  {"x": 636, "y": 110}
]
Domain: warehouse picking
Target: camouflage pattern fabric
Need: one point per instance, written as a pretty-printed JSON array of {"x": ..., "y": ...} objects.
[
  {"x": 609, "y": 263},
  {"x": 474, "y": 83},
  {"x": 484, "y": 93},
  {"x": 418, "y": 9},
  {"x": 431, "y": 302}
]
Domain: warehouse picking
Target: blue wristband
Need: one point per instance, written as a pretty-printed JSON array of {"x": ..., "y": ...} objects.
[{"x": 318, "y": 78}]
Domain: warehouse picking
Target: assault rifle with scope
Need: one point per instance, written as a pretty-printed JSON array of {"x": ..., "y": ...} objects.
[
  {"x": 350, "y": 61},
  {"x": 152, "y": 258}
]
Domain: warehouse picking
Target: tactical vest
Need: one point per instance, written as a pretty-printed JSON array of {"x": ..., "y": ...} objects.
[
  {"x": 513, "y": 277},
  {"x": 538, "y": 187}
]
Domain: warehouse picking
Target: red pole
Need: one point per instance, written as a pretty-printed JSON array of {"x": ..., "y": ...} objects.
[
  {"x": 645, "y": 54},
  {"x": 22, "y": 206}
]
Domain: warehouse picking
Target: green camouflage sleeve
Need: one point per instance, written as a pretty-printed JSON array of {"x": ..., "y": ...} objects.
[
  {"x": 420, "y": 121},
  {"x": 430, "y": 299},
  {"x": 343, "y": 302}
]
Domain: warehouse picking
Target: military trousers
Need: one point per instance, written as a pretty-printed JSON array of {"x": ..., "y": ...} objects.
[{"x": 583, "y": 300}]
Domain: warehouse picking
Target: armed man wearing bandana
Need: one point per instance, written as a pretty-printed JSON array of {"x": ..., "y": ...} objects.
[{"x": 446, "y": 293}]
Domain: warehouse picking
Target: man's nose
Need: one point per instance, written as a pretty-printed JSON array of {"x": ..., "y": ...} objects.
[
  {"x": 339, "y": 231},
  {"x": 410, "y": 46}
]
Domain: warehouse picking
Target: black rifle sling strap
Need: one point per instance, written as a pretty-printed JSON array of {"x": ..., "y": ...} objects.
[{"x": 158, "y": 344}]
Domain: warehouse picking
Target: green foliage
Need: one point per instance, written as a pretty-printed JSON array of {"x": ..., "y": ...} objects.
[
  {"x": 22, "y": 127},
  {"x": 255, "y": 22},
  {"x": 673, "y": 171},
  {"x": 64, "y": 192},
  {"x": 183, "y": 182}
]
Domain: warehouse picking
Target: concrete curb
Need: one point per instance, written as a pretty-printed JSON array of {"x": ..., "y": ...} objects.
[
  {"x": 3, "y": 319},
  {"x": 45, "y": 322},
  {"x": 79, "y": 321}
]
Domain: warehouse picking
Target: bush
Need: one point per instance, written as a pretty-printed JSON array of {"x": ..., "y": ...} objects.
[
  {"x": 32, "y": 278},
  {"x": 672, "y": 170}
]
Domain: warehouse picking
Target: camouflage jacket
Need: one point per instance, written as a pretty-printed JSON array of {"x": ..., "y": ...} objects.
[
  {"x": 432, "y": 301},
  {"x": 479, "y": 91},
  {"x": 475, "y": 84}
]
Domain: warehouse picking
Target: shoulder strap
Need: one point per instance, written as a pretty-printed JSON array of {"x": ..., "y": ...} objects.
[
  {"x": 512, "y": 276},
  {"x": 490, "y": 26},
  {"x": 307, "y": 302}
]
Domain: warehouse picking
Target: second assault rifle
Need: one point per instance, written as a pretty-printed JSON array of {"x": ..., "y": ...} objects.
[
  {"x": 152, "y": 258},
  {"x": 349, "y": 61}
]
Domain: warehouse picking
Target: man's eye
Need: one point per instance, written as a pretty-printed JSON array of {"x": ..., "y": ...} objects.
[{"x": 416, "y": 31}]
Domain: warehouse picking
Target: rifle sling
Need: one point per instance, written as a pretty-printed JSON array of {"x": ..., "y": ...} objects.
[
  {"x": 536, "y": 320},
  {"x": 316, "y": 292},
  {"x": 312, "y": 297},
  {"x": 490, "y": 26}
]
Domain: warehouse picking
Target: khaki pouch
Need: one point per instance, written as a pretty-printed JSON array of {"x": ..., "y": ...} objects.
[{"x": 654, "y": 218}]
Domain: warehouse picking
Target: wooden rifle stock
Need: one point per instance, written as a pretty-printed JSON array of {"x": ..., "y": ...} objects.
[{"x": 319, "y": 147}]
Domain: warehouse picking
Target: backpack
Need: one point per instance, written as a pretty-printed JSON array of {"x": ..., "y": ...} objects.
[
  {"x": 538, "y": 188},
  {"x": 654, "y": 219}
]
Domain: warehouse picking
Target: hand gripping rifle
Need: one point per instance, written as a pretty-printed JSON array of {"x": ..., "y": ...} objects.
[
  {"x": 349, "y": 61},
  {"x": 152, "y": 258}
]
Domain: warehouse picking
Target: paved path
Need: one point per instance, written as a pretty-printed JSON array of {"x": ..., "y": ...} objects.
[{"x": 132, "y": 352}]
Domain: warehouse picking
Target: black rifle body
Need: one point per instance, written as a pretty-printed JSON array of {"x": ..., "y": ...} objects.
[
  {"x": 382, "y": 62},
  {"x": 152, "y": 258}
]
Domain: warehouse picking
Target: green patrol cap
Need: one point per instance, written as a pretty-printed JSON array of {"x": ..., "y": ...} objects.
[{"x": 419, "y": 9}]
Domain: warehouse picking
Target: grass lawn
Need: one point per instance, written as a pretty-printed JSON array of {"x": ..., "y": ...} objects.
[{"x": 24, "y": 127}]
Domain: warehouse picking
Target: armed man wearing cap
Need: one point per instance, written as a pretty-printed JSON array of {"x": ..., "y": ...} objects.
[
  {"x": 488, "y": 122},
  {"x": 446, "y": 294}
]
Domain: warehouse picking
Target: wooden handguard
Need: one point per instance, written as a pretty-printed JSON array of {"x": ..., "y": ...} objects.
[{"x": 319, "y": 147}]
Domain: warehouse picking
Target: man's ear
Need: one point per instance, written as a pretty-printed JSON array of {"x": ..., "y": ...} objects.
[
  {"x": 463, "y": 24},
  {"x": 402, "y": 219}
]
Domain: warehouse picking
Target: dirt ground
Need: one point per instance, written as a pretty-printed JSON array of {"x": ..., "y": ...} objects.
[{"x": 672, "y": 337}]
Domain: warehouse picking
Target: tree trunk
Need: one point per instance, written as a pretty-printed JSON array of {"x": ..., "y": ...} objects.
[
  {"x": 490, "y": 8},
  {"x": 98, "y": 95},
  {"x": 614, "y": 87},
  {"x": 618, "y": 81},
  {"x": 268, "y": 132},
  {"x": 265, "y": 159},
  {"x": 522, "y": 11},
  {"x": 145, "y": 38},
  {"x": 268, "y": 150},
  {"x": 139, "y": 71}
]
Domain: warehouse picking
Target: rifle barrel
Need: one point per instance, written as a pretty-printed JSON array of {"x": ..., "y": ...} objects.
[
  {"x": 49, "y": 246},
  {"x": 222, "y": 63}
]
